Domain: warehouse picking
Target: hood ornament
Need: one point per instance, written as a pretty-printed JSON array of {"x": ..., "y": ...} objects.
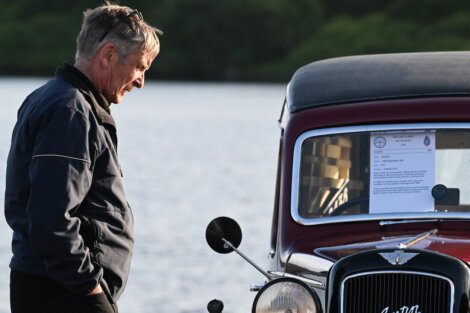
[{"x": 398, "y": 257}]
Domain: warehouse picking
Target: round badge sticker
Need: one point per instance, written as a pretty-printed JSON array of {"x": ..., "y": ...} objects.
[{"x": 379, "y": 142}]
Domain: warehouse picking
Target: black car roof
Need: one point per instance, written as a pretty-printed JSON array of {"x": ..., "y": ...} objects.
[{"x": 381, "y": 76}]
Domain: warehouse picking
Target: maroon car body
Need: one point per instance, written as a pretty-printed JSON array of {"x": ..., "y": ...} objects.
[
  {"x": 372, "y": 198},
  {"x": 397, "y": 89}
]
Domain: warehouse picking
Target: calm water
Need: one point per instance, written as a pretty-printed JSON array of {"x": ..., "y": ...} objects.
[{"x": 190, "y": 152}]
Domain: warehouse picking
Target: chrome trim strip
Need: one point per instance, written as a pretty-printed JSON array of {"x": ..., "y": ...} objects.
[
  {"x": 363, "y": 217},
  {"x": 452, "y": 288},
  {"x": 382, "y": 217},
  {"x": 314, "y": 283}
]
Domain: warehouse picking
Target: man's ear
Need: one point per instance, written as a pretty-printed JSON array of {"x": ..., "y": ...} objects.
[{"x": 107, "y": 54}]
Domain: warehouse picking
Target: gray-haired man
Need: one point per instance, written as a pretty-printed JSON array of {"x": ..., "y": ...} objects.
[{"x": 64, "y": 199}]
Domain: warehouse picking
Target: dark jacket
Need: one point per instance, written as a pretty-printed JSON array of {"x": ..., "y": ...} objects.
[{"x": 64, "y": 195}]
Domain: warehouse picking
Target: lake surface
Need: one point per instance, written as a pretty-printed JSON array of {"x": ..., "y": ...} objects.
[{"x": 190, "y": 152}]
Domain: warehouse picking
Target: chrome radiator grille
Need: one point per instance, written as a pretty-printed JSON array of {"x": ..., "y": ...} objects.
[{"x": 396, "y": 291}]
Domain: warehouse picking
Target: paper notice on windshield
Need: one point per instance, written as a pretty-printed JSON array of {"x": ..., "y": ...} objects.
[{"x": 402, "y": 171}]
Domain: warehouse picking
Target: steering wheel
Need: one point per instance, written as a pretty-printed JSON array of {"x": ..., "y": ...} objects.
[{"x": 362, "y": 201}]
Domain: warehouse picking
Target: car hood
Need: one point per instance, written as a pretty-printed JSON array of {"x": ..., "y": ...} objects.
[{"x": 458, "y": 247}]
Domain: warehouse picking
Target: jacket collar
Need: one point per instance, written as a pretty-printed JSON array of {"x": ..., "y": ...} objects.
[{"x": 99, "y": 104}]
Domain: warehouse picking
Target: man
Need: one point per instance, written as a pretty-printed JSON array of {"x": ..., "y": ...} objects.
[{"x": 64, "y": 199}]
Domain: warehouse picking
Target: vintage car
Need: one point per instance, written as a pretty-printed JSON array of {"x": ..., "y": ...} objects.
[{"x": 372, "y": 202}]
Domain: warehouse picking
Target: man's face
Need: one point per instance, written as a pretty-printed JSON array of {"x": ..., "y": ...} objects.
[{"x": 123, "y": 76}]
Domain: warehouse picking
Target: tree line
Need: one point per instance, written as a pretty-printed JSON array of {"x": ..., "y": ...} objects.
[{"x": 239, "y": 40}]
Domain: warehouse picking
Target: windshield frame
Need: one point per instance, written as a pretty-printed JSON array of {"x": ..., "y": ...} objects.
[{"x": 363, "y": 217}]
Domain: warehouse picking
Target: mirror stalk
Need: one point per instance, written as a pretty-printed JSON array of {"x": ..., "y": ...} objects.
[{"x": 229, "y": 244}]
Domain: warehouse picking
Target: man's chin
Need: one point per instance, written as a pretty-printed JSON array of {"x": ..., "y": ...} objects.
[{"x": 114, "y": 99}]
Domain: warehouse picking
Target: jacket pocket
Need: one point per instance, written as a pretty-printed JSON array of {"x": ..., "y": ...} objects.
[{"x": 90, "y": 234}]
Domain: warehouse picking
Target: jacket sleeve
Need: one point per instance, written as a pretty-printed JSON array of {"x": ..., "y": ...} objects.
[{"x": 60, "y": 174}]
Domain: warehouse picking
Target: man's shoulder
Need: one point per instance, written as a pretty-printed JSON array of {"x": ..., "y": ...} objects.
[
  {"x": 57, "y": 94},
  {"x": 66, "y": 92}
]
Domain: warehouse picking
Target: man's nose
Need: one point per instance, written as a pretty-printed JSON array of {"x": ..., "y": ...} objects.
[{"x": 139, "y": 81}]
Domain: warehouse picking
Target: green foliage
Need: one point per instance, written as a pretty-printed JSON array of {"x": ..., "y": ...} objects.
[
  {"x": 36, "y": 37},
  {"x": 242, "y": 39},
  {"x": 222, "y": 40}
]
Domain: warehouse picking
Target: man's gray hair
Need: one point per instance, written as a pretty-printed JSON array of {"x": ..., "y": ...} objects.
[{"x": 119, "y": 25}]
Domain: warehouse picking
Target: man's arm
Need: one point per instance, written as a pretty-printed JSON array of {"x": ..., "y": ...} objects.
[{"x": 60, "y": 174}]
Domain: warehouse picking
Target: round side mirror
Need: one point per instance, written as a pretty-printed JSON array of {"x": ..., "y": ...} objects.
[{"x": 223, "y": 228}]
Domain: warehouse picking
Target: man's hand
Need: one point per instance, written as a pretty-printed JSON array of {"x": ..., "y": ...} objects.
[{"x": 95, "y": 291}]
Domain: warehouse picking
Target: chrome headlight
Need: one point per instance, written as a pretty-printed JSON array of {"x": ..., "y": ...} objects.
[{"x": 286, "y": 295}]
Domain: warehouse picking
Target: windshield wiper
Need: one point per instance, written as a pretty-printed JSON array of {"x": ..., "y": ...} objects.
[
  {"x": 385, "y": 223},
  {"x": 416, "y": 239}
]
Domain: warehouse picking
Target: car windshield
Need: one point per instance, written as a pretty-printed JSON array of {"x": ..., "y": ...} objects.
[{"x": 396, "y": 170}]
